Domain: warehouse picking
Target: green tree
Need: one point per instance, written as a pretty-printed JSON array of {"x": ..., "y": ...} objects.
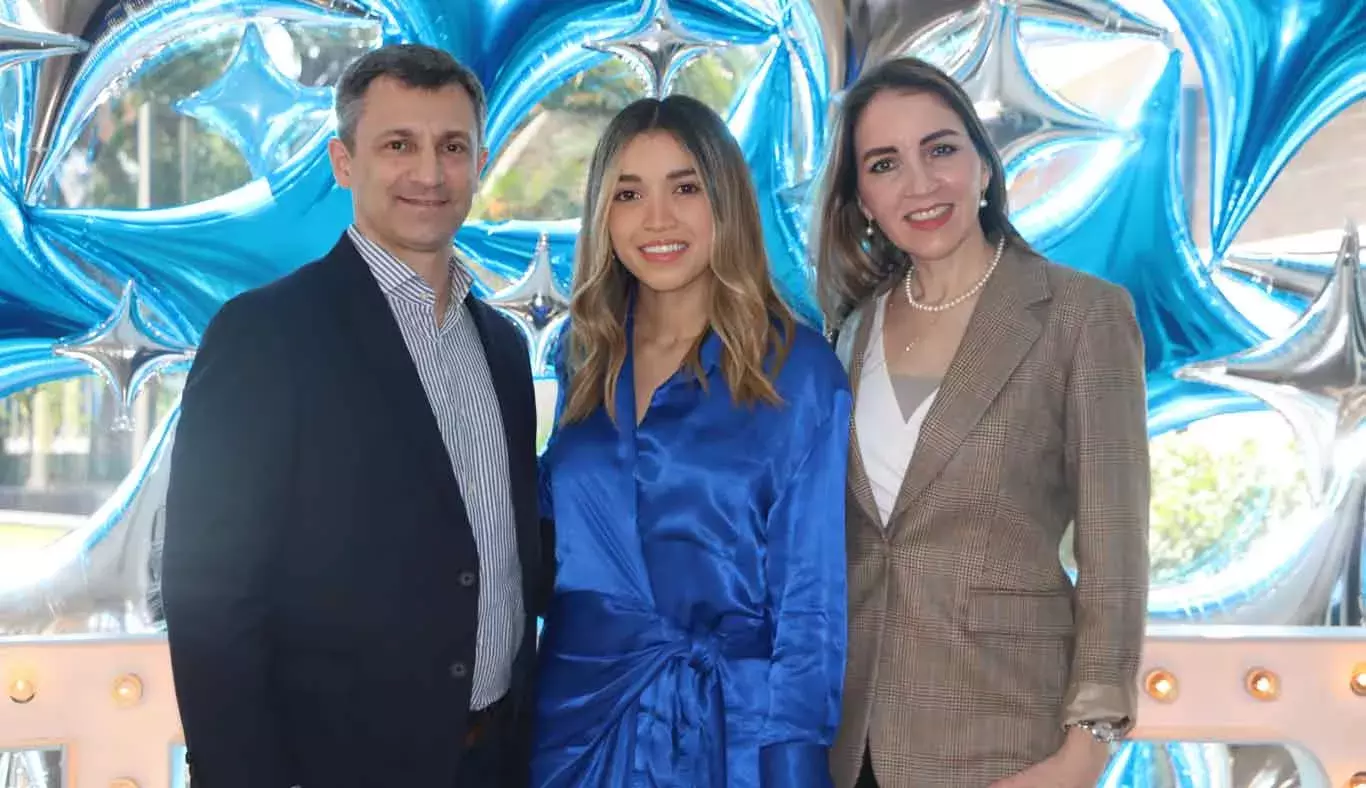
[
  {"x": 1213, "y": 495},
  {"x": 186, "y": 165},
  {"x": 543, "y": 167},
  {"x": 191, "y": 163},
  {"x": 716, "y": 78}
]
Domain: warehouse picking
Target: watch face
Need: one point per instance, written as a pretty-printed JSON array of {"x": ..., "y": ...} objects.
[{"x": 1104, "y": 731}]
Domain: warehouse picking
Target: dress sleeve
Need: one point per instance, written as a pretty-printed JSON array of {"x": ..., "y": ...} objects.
[{"x": 806, "y": 575}]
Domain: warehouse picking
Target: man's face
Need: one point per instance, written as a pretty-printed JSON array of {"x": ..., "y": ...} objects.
[{"x": 413, "y": 166}]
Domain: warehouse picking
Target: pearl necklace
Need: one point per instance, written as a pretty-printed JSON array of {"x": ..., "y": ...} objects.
[{"x": 950, "y": 304}]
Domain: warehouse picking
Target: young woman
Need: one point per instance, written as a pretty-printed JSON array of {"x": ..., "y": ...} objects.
[
  {"x": 999, "y": 399},
  {"x": 696, "y": 479}
]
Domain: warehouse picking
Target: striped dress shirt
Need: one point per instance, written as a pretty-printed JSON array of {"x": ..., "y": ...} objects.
[{"x": 449, "y": 357}]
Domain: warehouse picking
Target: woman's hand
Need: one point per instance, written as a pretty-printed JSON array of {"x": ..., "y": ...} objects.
[{"x": 1079, "y": 763}]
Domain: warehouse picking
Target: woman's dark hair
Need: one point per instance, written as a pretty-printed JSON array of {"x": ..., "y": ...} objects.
[{"x": 850, "y": 265}]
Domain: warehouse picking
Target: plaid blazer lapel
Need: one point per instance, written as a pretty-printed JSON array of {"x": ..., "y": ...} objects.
[
  {"x": 999, "y": 335},
  {"x": 852, "y": 344}
]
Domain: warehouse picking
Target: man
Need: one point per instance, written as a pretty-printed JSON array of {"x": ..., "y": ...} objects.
[{"x": 352, "y": 558}]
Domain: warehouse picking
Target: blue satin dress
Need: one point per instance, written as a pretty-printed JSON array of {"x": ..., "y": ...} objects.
[{"x": 697, "y": 636}]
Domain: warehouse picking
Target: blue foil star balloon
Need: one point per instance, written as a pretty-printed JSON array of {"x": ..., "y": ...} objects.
[
  {"x": 256, "y": 107},
  {"x": 1131, "y": 230},
  {"x": 1275, "y": 71}
]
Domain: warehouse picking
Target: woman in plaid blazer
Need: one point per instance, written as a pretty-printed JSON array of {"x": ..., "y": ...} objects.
[{"x": 999, "y": 399}]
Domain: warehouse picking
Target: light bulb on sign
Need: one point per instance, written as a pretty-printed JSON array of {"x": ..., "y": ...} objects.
[
  {"x": 1359, "y": 679},
  {"x": 1262, "y": 684},
  {"x": 22, "y": 690},
  {"x": 127, "y": 690},
  {"x": 1160, "y": 684}
]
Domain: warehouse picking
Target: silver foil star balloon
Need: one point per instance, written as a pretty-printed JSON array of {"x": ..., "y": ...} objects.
[
  {"x": 345, "y": 8},
  {"x": 125, "y": 352},
  {"x": 879, "y": 29},
  {"x": 1103, "y": 15},
  {"x": 101, "y": 576},
  {"x": 657, "y": 48},
  {"x": 1019, "y": 113},
  {"x": 538, "y": 304},
  {"x": 1315, "y": 377},
  {"x": 20, "y": 44},
  {"x": 1276, "y": 273},
  {"x": 1301, "y": 273},
  {"x": 1324, "y": 353}
]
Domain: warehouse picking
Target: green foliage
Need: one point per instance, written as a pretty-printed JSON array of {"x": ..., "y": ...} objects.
[
  {"x": 542, "y": 169},
  {"x": 190, "y": 163},
  {"x": 715, "y": 79},
  {"x": 601, "y": 90},
  {"x": 548, "y": 169},
  {"x": 1210, "y": 496},
  {"x": 1217, "y": 488},
  {"x": 180, "y": 172}
]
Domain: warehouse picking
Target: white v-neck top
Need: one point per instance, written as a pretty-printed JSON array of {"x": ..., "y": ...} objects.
[{"x": 886, "y": 436}]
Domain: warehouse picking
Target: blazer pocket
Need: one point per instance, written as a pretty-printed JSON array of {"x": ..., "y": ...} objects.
[{"x": 1020, "y": 613}]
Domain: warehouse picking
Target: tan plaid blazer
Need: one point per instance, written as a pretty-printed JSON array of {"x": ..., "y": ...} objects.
[{"x": 969, "y": 648}]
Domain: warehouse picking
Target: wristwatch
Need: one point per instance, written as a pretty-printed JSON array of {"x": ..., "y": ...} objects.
[{"x": 1104, "y": 731}]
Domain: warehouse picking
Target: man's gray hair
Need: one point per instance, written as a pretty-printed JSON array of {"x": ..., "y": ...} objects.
[{"x": 414, "y": 65}]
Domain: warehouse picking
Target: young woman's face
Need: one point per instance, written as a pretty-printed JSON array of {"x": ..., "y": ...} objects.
[
  {"x": 660, "y": 218},
  {"x": 919, "y": 176}
]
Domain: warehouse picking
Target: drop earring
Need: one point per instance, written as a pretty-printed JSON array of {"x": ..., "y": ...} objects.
[
  {"x": 868, "y": 230},
  {"x": 983, "y": 202}
]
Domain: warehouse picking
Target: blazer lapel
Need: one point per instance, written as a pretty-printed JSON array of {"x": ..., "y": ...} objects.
[
  {"x": 369, "y": 323},
  {"x": 852, "y": 346},
  {"x": 999, "y": 335}
]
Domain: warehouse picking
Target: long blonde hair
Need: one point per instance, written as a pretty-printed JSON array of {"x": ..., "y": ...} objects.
[
  {"x": 850, "y": 265},
  {"x": 745, "y": 312}
]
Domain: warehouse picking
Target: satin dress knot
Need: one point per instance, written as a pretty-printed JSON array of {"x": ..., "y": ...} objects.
[{"x": 641, "y": 647}]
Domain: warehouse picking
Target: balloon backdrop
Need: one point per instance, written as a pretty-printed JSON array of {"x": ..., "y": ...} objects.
[{"x": 125, "y": 294}]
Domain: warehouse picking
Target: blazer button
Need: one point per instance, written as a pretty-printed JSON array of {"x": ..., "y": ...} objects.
[
  {"x": 467, "y": 578},
  {"x": 458, "y": 670}
]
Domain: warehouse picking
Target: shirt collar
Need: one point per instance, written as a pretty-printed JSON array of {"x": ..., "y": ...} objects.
[{"x": 397, "y": 279}]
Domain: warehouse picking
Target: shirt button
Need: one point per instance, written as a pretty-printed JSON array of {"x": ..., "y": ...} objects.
[
  {"x": 458, "y": 670},
  {"x": 467, "y": 578}
]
